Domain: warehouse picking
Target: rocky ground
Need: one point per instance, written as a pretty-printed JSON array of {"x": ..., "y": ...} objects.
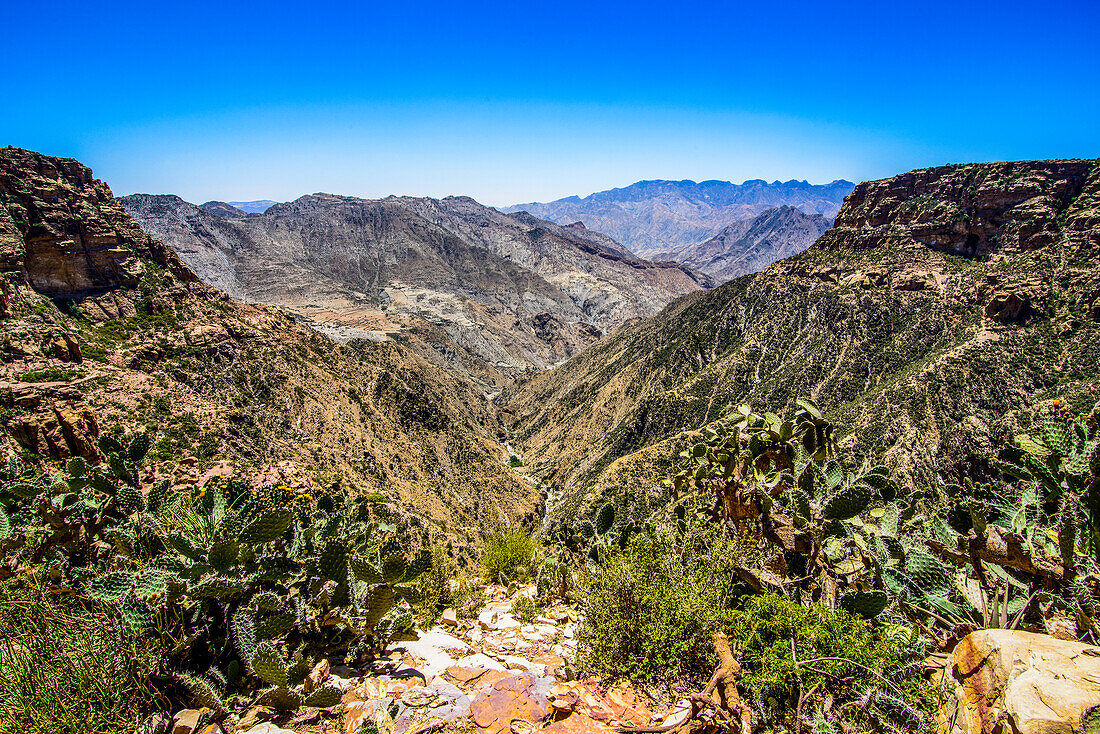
[{"x": 493, "y": 674}]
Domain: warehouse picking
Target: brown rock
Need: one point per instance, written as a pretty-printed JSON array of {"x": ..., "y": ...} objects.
[
  {"x": 190, "y": 721},
  {"x": 1008, "y": 307},
  {"x": 515, "y": 697},
  {"x": 1020, "y": 682},
  {"x": 463, "y": 674},
  {"x": 578, "y": 724},
  {"x": 449, "y": 617}
]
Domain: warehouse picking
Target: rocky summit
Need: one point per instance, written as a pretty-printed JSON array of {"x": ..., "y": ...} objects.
[
  {"x": 941, "y": 306},
  {"x": 651, "y": 217},
  {"x": 464, "y": 285}
]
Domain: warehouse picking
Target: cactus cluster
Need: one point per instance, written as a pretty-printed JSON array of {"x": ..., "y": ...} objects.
[
  {"x": 780, "y": 477},
  {"x": 569, "y": 546},
  {"x": 245, "y": 588}
]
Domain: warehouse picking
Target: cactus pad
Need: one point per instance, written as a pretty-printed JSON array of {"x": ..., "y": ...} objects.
[
  {"x": 324, "y": 697},
  {"x": 847, "y": 502},
  {"x": 866, "y": 604},
  {"x": 267, "y": 527},
  {"x": 930, "y": 576},
  {"x": 267, "y": 663}
]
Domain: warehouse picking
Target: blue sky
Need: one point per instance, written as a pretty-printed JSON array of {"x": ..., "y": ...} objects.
[{"x": 513, "y": 102}]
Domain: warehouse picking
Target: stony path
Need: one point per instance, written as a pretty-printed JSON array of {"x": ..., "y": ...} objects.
[{"x": 495, "y": 675}]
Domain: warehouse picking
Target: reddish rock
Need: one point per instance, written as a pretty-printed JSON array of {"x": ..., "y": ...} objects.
[
  {"x": 578, "y": 724},
  {"x": 514, "y": 697}
]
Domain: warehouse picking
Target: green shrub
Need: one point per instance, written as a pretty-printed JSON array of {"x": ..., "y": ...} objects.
[
  {"x": 840, "y": 653},
  {"x": 468, "y": 597},
  {"x": 652, "y": 610},
  {"x": 50, "y": 374},
  {"x": 527, "y": 610},
  {"x": 650, "y": 613},
  {"x": 67, "y": 668},
  {"x": 508, "y": 555}
]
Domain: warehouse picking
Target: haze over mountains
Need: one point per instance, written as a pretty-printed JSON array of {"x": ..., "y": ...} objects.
[
  {"x": 651, "y": 217},
  {"x": 465, "y": 285},
  {"x": 252, "y": 207},
  {"x": 750, "y": 245}
]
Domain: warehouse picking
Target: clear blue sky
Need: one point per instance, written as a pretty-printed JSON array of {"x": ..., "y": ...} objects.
[{"x": 514, "y": 102}]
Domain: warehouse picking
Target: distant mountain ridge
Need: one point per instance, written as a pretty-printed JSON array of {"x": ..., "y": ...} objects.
[
  {"x": 253, "y": 207},
  {"x": 750, "y": 245},
  {"x": 655, "y": 216},
  {"x": 490, "y": 293}
]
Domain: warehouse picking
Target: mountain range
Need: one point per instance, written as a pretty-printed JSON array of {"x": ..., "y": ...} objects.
[
  {"x": 464, "y": 285},
  {"x": 252, "y": 207},
  {"x": 750, "y": 245},
  {"x": 651, "y": 217},
  {"x": 928, "y": 323}
]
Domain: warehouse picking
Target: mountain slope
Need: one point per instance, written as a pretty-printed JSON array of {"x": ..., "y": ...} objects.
[
  {"x": 657, "y": 216},
  {"x": 101, "y": 324},
  {"x": 750, "y": 245},
  {"x": 491, "y": 293},
  {"x": 928, "y": 321}
]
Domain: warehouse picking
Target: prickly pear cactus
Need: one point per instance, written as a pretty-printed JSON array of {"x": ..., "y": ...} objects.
[{"x": 848, "y": 502}]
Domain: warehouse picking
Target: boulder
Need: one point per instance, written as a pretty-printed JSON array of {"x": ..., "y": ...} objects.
[
  {"x": 1024, "y": 683},
  {"x": 1008, "y": 307}
]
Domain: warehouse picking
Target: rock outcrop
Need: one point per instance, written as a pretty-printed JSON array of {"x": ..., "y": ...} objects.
[
  {"x": 1024, "y": 683},
  {"x": 489, "y": 293},
  {"x": 64, "y": 231},
  {"x": 651, "y": 217},
  {"x": 954, "y": 293}
]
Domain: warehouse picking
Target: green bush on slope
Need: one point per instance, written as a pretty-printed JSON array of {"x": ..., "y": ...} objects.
[
  {"x": 508, "y": 555},
  {"x": 652, "y": 610}
]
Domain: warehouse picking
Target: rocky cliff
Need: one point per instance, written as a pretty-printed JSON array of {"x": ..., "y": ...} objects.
[
  {"x": 489, "y": 293},
  {"x": 651, "y": 217},
  {"x": 64, "y": 233},
  {"x": 750, "y": 245},
  {"x": 102, "y": 326},
  {"x": 928, "y": 321}
]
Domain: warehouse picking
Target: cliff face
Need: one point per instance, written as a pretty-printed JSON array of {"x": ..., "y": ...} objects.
[
  {"x": 971, "y": 210},
  {"x": 101, "y": 325},
  {"x": 939, "y": 309},
  {"x": 64, "y": 231},
  {"x": 750, "y": 245},
  {"x": 465, "y": 285}
]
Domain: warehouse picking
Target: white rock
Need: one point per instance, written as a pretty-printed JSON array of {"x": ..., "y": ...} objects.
[
  {"x": 479, "y": 660},
  {"x": 268, "y": 728},
  {"x": 514, "y": 661},
  {"x": 343, "y": 684},
  {"x": 486, "y": 618},
  {"x": 681, "y": 714},
  {"x": 438, "y": 637},
  {"x": 506, "y": 621}
]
